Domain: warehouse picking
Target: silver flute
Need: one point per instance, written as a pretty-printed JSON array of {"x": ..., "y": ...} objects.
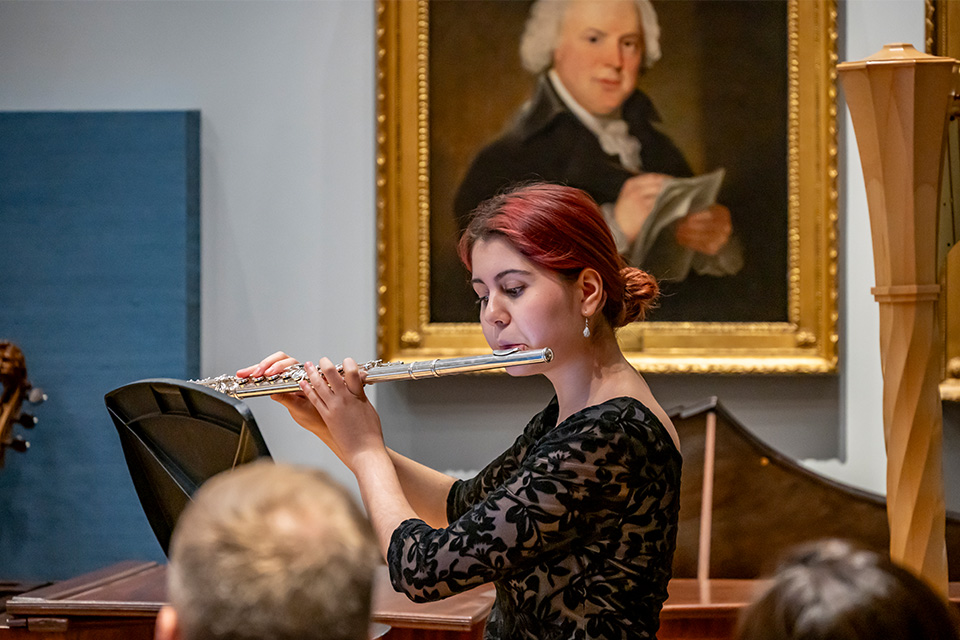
[{"x": 288, "y": 380}]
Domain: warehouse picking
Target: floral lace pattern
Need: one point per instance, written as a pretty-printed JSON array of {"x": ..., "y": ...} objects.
[{"x": 576, "y": 524}]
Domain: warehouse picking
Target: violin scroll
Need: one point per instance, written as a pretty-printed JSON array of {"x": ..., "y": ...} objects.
[{"x": 16, "y": 389}]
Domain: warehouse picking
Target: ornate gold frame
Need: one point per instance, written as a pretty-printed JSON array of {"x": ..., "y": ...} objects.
[
  {"x": 806, "y": 343},
  {"x": 943, "y": 39}
]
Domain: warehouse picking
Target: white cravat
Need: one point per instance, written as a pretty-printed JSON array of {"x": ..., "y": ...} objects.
[{"x": 612, "y": 132}]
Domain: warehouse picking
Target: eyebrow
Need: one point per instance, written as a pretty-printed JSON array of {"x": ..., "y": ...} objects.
[
  {"x": 599, "y": 31},
  {"x": 503, "y": 274}
]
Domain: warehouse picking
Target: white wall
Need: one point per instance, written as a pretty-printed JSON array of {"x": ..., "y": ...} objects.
[
  {"x": 866, "y": 26},
  {"x": 286, "y": 91}
]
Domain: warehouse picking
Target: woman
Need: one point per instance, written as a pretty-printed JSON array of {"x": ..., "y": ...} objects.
[{"x": 576, "y": 522}]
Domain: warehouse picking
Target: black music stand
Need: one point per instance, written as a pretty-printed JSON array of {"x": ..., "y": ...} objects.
[{"x": 176, "y": 435}]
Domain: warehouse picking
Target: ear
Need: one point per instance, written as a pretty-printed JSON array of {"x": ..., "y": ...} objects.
[
  {"x": 168, "y": 626},
  {"x": 590, "y": 286}
]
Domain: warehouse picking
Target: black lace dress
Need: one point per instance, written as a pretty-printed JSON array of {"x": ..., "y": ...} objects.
[{"x": 576, "y": 524}]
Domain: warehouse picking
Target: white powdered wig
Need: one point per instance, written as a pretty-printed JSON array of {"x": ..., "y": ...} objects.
[{"x": 542, "y": 32}]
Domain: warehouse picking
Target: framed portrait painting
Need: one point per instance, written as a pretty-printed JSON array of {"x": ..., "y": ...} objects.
[{"x": 735, "y": 105}]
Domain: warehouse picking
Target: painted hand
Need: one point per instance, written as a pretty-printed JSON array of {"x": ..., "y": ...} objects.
[
  {"x": 635, "y": 202},
  {"x": 706, "y": 231}
]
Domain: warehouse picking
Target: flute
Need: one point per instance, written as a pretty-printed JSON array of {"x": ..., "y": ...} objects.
[{"x": 288, "y": 380}]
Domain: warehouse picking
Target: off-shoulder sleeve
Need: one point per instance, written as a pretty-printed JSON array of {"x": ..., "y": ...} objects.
[{"x": 561, "y": 493}]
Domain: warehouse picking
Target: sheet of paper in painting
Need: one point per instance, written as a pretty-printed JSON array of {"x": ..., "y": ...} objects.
[{"x": 678, "y": 198}]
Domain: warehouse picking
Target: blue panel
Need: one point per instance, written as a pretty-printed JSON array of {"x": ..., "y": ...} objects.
[{"x": 99, "y": 286}]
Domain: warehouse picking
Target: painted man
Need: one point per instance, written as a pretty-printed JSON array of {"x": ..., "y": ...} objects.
[{"x": 587, "y": 125}]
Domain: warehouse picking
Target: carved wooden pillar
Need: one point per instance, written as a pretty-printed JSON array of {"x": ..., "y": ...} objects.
[{"x": 898, "y": 101}]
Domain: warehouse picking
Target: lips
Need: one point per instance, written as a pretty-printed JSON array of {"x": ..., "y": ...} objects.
[{"x": 612, "y": 83}]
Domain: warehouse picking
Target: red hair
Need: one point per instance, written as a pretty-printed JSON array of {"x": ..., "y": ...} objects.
[{"x": 562, "y": 229}]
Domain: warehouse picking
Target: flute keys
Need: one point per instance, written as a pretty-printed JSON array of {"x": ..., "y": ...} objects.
[{"x": 224, "y": 384}]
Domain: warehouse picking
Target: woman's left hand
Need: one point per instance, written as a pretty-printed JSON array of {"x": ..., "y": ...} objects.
[{"x": 339, "y": 399}]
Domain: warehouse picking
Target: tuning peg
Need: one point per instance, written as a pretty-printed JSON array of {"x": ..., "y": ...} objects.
[
  {"x": 19, "y": 444},
  {"x": 27, "y": 420},
  {"x": 36, "y": 395}
]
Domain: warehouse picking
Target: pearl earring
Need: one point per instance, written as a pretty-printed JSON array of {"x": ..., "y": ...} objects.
[{"x": 586, "y": 327}]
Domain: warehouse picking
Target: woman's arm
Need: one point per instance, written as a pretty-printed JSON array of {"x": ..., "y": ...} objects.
[
  {"x": 426, "y": 490},
  {"x": 354, "y": 427},
  {"x": 381, "y": 492},
  {"x": 554, "y": 500}
]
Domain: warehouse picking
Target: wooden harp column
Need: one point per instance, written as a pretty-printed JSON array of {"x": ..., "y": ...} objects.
[{"x": 898, "y": 100}]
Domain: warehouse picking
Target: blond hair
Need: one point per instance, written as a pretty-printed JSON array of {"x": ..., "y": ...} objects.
[{"x": 272, "y": 551}]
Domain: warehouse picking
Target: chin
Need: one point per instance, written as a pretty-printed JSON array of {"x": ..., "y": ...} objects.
[
  {"x": 522, "y": 371},
  {"x": 603, "y": 110}
]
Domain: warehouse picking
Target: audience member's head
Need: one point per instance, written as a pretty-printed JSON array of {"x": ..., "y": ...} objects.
[
  {"x": 270, "y": 551},
  {"x": 832, "y": 590}
]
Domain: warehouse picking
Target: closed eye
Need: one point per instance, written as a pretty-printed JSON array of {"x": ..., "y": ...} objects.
[
  {"x": 514, "y": 292},
  {"x": 593, "y": 36}
]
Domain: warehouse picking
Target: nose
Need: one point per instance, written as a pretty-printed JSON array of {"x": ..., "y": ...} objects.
[
  {"x": 495, "y": 311},
  {"x": 613, "y": 55}
]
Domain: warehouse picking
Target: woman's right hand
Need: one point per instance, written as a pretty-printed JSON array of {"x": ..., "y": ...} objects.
[{"x": 301, "y": 410}]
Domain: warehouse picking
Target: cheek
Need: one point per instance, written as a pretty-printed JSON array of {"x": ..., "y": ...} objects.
[
  {"x": 631, "y": 70},
  {"x": 487, "y": 329},
  {"x": 591, "y": 62},
  {"x": 566, "y": 320},
  {"x": 572, "y": 63}
]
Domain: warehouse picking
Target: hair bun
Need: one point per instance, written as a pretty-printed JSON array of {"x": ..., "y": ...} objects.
[{"x": 640, "y": 292}]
